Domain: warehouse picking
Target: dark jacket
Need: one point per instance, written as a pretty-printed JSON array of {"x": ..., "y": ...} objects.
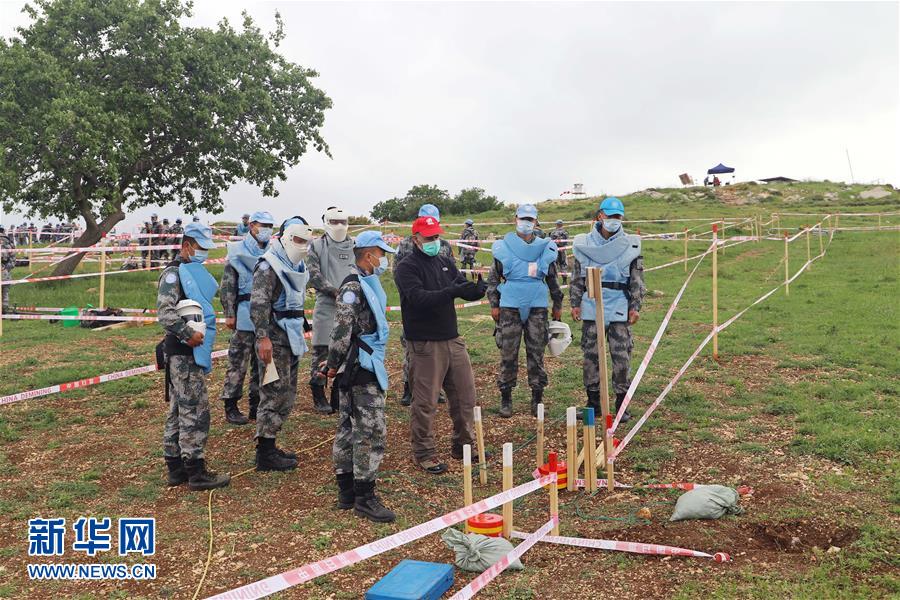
[{"x": 428, "y": 286}]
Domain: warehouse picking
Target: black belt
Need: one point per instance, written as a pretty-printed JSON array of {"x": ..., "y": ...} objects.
[
  {"x": 288, "y": 314},
  {"x": 614, "y": 285},
  {"x": 242, "y": 298}
]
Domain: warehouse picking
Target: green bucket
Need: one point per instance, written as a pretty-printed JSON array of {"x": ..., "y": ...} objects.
[{"x": 73, "y": 311}]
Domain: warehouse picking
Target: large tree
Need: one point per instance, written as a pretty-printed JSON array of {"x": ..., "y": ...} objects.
[{"x": 108, "y": 106}]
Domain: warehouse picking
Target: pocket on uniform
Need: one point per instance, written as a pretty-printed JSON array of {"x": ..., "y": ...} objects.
[{"x": 419, "y": 348}]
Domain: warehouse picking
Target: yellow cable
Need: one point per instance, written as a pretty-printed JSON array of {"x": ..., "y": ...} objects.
[{"x": 209, "y": 515}]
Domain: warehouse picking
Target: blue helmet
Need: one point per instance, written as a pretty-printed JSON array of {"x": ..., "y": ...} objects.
[
  {"x": 612, "y": 206},
  {"x": 430, "y": 210}
]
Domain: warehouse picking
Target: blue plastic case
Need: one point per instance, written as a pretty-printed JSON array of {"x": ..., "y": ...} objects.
[{"x": 413, "y": 580}]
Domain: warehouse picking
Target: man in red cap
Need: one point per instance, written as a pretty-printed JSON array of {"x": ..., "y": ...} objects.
[{"x": 428, "y": 283}]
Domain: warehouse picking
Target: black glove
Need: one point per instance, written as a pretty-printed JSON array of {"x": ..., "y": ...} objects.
[{"x": 480, "y": 285}]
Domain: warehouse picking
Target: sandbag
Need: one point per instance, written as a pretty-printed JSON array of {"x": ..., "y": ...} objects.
[
  {"x": 476, "y": 552},
  {"x": 707, "y": 502}
]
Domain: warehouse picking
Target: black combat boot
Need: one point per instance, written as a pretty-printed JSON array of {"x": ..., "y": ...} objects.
[
  {"x": 506, "y": 402},
  {"x": 406, "y": 400},
  {"x": 320, "y": 402},
  {"x": 626, "y": 416},
  {"x": 254, "y": 404},
  {"x": 537, "y": 396},
  {"x": 232, "y": 414},
  {"x": 593, "y": 401},
  {"x": 177, "y": 474},
  {"x": 368, "y": 505},
  {"x": 346, "y": 495},
  {"x": 268, "y": 458},
  {"x": 199, "y": 478}
]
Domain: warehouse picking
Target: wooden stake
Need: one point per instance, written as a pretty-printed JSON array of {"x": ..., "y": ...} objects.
[
  {"x": 596, "y": 276},
  {"x": 479, "y": 439},
  {"x": 507, "y": 485},
  {"x": 467, "y": 478},
  {"x": 808, "y": 254},
  {"x": 102, "y": 272},
  {"x": 539, "y": 445},
  {"x": 787, "y": 271},
  {"x": 685, "y": 248},
  {"x": 715, "y": 293},
  {"x": 589, "y": 450},
  {"x": 554, "y": 494},
  {"x": 571, "y": 445},
  {"x": 821, "y": 233}
]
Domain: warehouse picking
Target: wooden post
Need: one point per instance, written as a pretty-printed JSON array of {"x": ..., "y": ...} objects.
[
  {"x": 808, "y": 254},
  {"x": 715, "y": 293},
  {"x": 685, "y": 248},
  {"x": 554, "y": 494},
  {"x": 467, "y": 478},
  {"x": 821, "y": 233},
  {"x": 590, "y": 451},
  {"x": 539, "y": 444},
  {"x": 787, "y": 271},
  {"x": 507, "y": 485},
  {"x": 596, "y": 288},
  {"x": 479, "y": 439},
  {"x": 571, "y": 444},
  {"x": 103, "y": 271}
]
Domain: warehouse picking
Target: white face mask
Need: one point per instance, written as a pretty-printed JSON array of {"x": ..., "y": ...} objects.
[
  {"x": 337, "y": 231},
  {"x": 296, "y": 249}
]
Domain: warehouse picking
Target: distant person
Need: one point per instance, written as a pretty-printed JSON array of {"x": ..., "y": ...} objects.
[
  {"x": 467, "y": 255},
  {"x": 243, "y": 228},
  {"x": 561, "y": 237},
  {"x": 428, "y": 284},
  {"x": 7, "y": 263},
  {"x": 716, "y": 182},
  {"x": 619, "y": 254}
]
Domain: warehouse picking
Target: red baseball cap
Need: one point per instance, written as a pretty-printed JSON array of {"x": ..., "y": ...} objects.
[{"x": 427, "y": 226}]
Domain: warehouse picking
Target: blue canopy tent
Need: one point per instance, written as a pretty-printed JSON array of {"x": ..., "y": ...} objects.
[{"x": 719, "y": 169}]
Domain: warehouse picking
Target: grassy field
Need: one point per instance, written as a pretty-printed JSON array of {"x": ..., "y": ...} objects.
[{"x": 802, "y": 406}]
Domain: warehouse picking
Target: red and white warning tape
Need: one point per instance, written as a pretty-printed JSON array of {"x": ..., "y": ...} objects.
[
  {"x": 300, "y": 575},
  {"x": 498, "y": 567},
  {"x": 82, "y": 383},
  {"x": 633, "y": 547}
]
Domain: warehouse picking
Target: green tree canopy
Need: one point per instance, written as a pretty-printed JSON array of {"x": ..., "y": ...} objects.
[
  {"x": 106, "y": 107},
  {"x": 466, "y": 202}
]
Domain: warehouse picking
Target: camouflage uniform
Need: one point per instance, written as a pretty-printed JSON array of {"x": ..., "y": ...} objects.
[
  {"x": 561, "y": 235},
  {"x": 323, "y": 287},
  {"x": 174, "y": 240},
  {"x": 359, "y": 443},
  {"x": 156, "y": 228},
  {"x": 276, "y": 399},
  {"x": 187, "y": 424},
  {"x": 241, "y": 348},
  {"x": 405, "y": 248},
  {"x": 510, "y": 330},
  {"x": 618, "y": 334},
  {"x": 7, "y": 262},
  {"x": 467, "y": 255}
]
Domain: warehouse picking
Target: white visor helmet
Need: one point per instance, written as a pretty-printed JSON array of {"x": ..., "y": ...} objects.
[
  {"x": 295, "y": 240},
  {"x": 191, "y": 313},
  {"x": 337, "y": 231},
  {"x": 560, "y": 337}
]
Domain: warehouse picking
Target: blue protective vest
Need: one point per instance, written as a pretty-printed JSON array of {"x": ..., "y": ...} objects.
[
  {"x": 377, "y": 341},
  {"x": 200, "y": 286},
  {"x": 524, "y": 268},
  {"x": 242, "y": 229},
  {"x": 615, "y": 256},
  {"x": 293, "y": 280},
  {"x": 243, "y": 256}
]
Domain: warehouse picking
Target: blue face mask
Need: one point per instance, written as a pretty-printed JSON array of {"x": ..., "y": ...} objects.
[
  {"x": 524, "y": 227},
  {"x": 612, "y": 225},
  {"x": 200, "y": 256},
  {"x": 382, "y": 266},
  {"x": 263, "y": 234}
]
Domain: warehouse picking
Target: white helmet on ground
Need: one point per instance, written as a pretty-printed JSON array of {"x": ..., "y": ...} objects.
[
  {"x": 336, "y": 223},
  {"x": 191, "y": 313},
  {"x": 560, "y": 337}
]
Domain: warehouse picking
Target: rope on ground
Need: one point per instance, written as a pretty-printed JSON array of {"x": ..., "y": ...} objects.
[{"x": 210, "y": 518}]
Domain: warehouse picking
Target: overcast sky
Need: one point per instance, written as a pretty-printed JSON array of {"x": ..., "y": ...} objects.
[{"x": 525, "y": 99}]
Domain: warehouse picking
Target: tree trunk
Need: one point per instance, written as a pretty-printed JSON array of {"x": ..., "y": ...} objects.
[{"x": 93, "y": 232}]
